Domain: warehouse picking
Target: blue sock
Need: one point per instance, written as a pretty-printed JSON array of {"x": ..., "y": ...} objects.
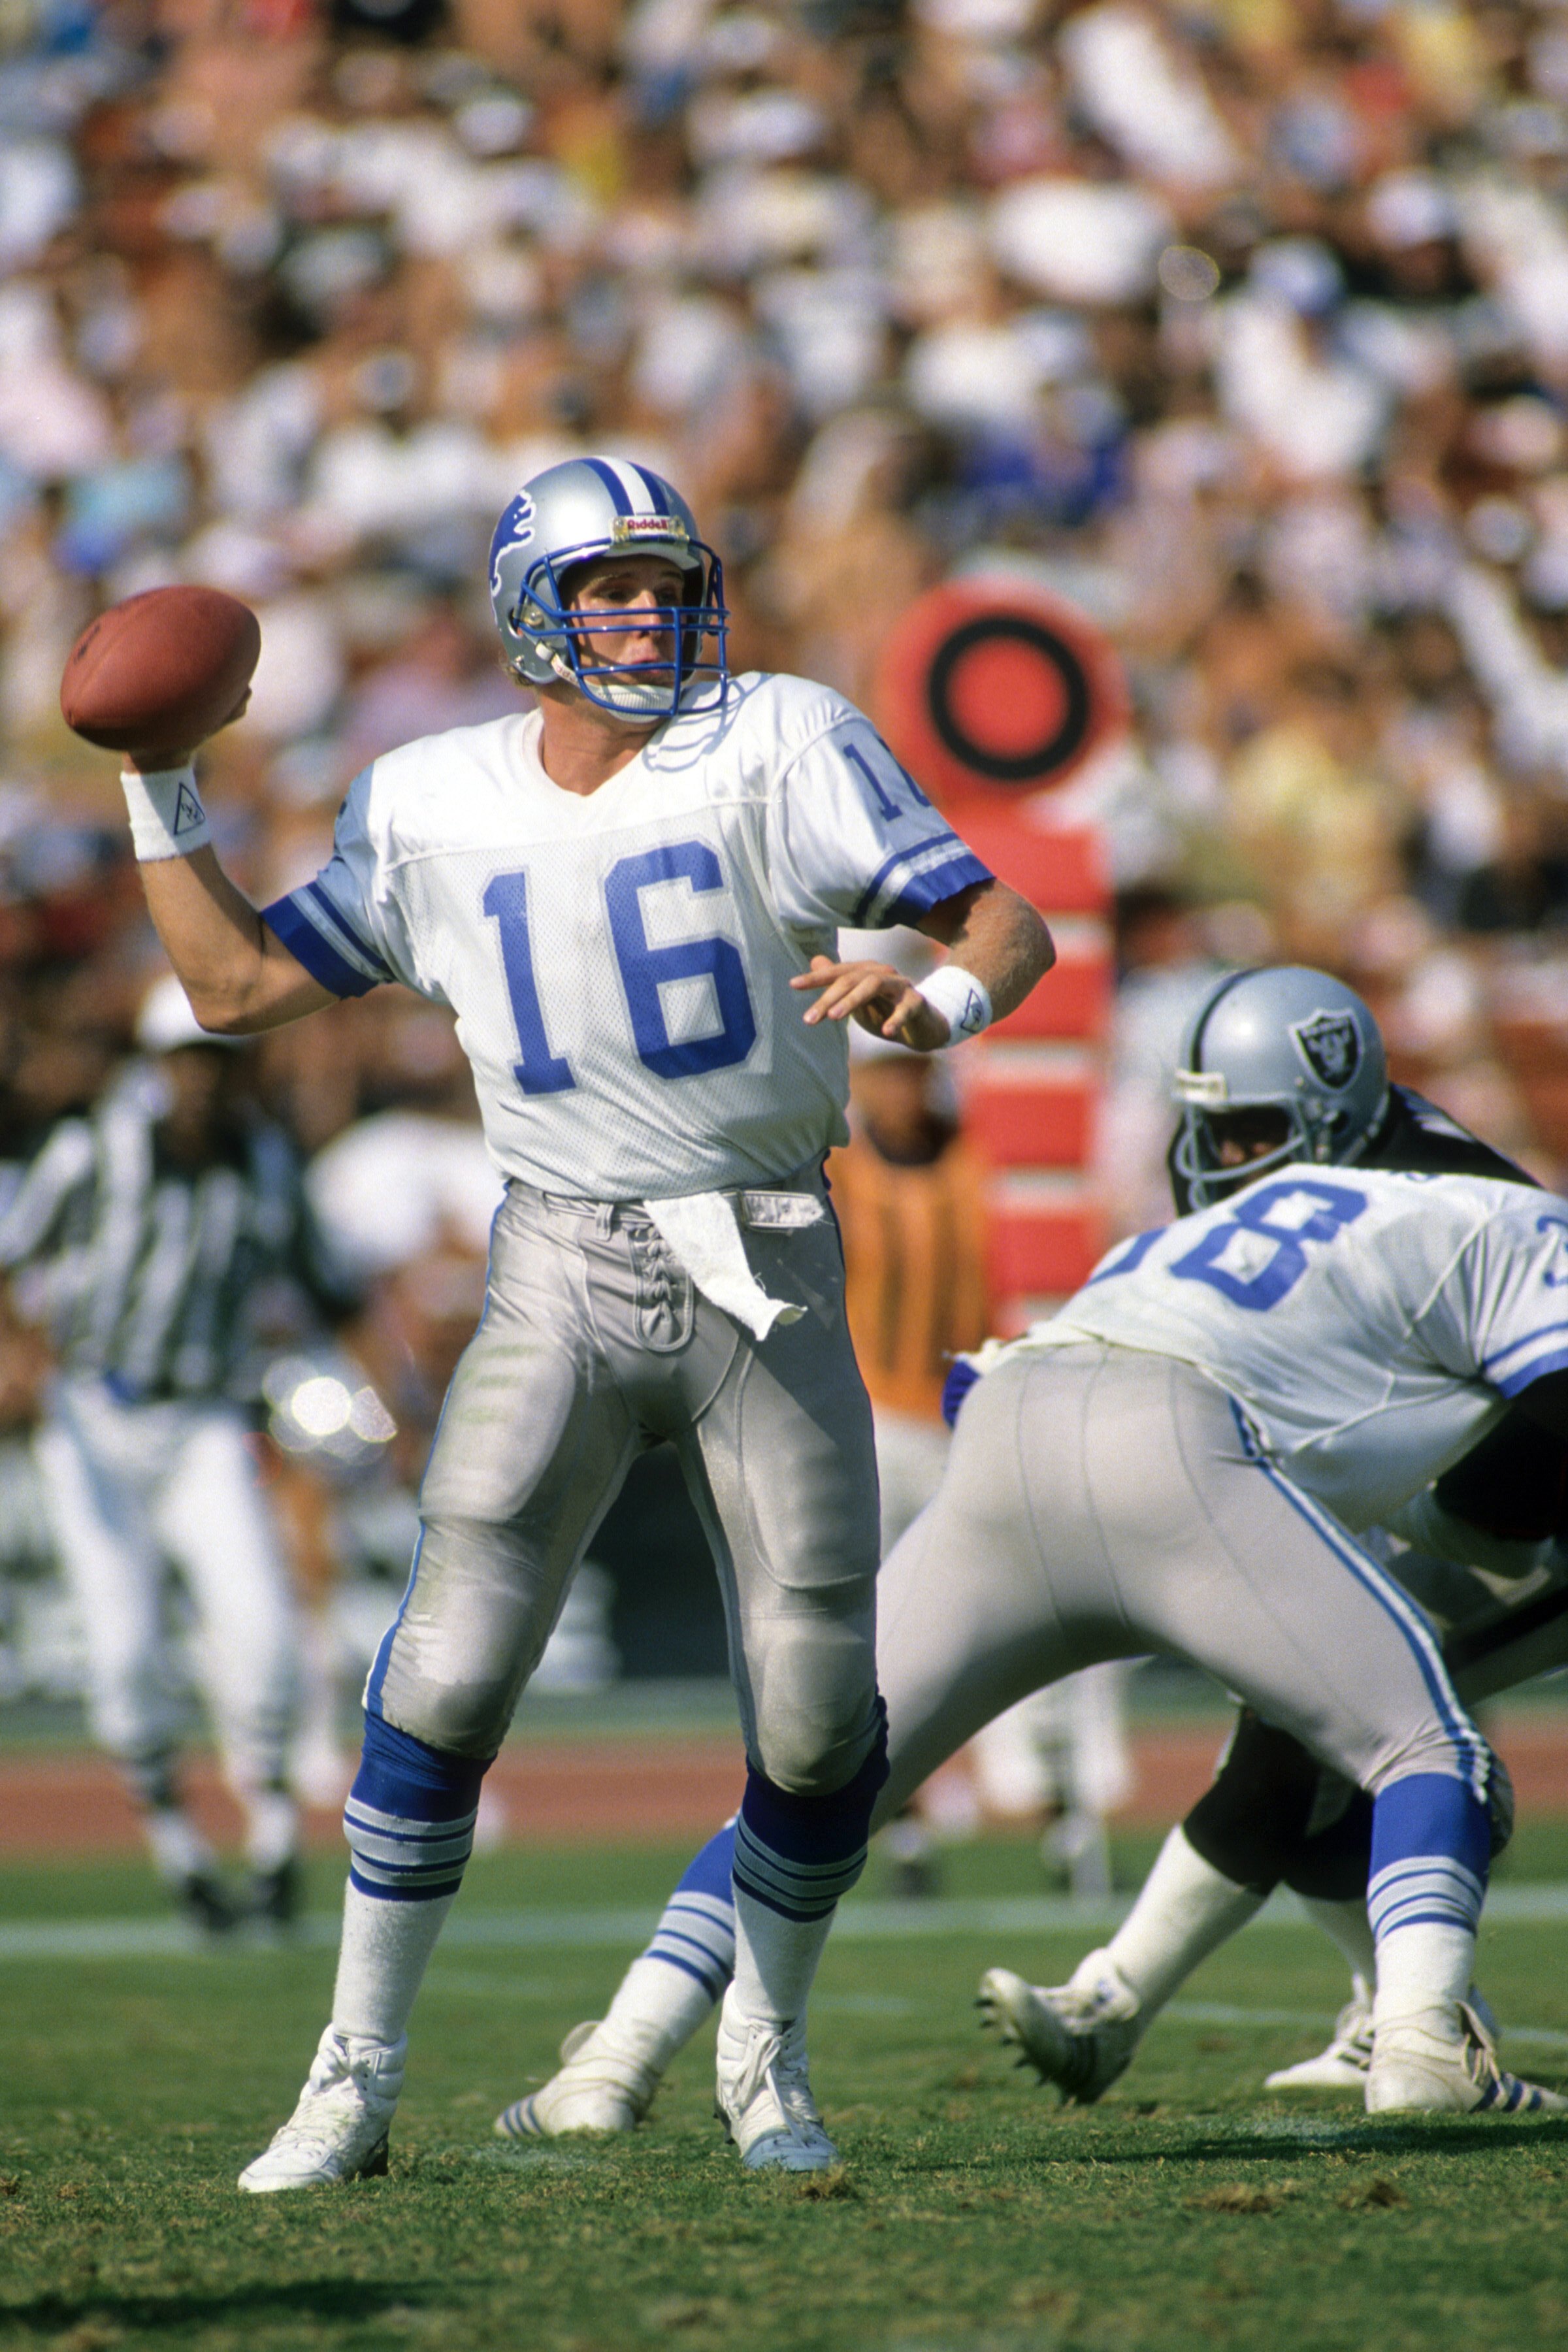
[
  {"x": 697, "y": 1931},
  {"x": 797, "y": 1854},
  {"x": 409, "y": 1818},
  {"x": 1431, "y": 1849}
]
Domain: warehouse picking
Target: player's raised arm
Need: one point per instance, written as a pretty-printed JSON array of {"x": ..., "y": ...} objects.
[
  {"x": 236, "y": 971},
  {"x": 168, "y": 668}
]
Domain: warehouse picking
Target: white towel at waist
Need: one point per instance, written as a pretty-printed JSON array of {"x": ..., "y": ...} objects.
[{"x": 703, "y": 1233}]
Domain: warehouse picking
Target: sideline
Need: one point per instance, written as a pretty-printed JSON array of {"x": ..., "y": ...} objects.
[{"x": 1540, "y": 1904}]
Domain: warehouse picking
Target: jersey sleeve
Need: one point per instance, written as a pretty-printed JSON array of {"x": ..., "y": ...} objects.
[
  {"x": 853, "y": 841},
  {"x": 343, "y": 927},
  {"x": 1502, "y": 1314}
]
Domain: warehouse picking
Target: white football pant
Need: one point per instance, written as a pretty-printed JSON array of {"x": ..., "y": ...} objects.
[{"x": 131, "y": 1488}]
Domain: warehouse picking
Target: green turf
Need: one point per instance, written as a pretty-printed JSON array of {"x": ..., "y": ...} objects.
[{"x": 973, "y": 2215}]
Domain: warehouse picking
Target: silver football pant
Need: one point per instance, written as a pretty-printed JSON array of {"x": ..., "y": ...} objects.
[
  {"x": 595, "y": 1345},
  {"x": 1101, "y": 1502}
]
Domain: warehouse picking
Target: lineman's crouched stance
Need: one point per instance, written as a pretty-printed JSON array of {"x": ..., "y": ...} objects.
[
  {"x": 1152, "y": 1472},
  {"x": 630, "y": 896}
]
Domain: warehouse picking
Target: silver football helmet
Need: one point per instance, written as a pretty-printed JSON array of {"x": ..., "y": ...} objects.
[
  {"x": 1285, "y": 1040},
  {"x": 570, "y": 514}
]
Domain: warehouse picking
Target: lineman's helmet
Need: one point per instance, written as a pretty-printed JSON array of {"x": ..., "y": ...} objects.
[
  {"x": 572, "y": 514},
  {"x": 1287, "y": 1041}
]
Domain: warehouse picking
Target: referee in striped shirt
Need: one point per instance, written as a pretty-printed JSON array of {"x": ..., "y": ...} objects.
[{"x": 146, "y": 1238}]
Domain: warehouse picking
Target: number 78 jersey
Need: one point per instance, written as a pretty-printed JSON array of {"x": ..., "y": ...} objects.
[
  {"x": 1371, "y": 1323},
  {"x": 619, "y": 963}
]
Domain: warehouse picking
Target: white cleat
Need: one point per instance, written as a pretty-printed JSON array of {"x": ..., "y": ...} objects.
[
  {"x": 763, "y": 2097},
  {"x": 1342, "y": 2066},
  {"x": 1444, "y": 2062},
  {"x": 598, "y": 2089},
  {"x": 338, "y": 2132},
  {"x": 1080, "y": 2035}
]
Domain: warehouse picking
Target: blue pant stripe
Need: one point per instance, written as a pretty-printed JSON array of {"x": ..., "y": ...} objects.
[{"x": 1468, "y": 1748}]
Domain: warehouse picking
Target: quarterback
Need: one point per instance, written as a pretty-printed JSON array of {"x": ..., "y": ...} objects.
[
  {"x": 630, "y": 898},
  {"x": 1177, "y": 1462}
]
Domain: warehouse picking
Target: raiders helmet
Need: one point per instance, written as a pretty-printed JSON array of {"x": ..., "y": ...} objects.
[
  {"x": 570, "y": 514},
  {"x": 1286, "y": 1039}
]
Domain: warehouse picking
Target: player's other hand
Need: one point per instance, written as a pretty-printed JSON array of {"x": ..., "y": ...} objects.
[{"x": 879, "y": 997}]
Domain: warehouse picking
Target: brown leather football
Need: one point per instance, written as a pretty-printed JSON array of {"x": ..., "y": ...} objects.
[{"x": 161, "y": 671}]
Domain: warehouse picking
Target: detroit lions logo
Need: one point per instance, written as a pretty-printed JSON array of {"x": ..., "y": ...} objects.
[
  {"x": 515, "y": 528},
  {"x": 1329, "y": 1045}
]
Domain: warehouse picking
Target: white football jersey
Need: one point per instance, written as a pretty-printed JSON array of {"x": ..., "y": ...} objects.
[
  {"x": 1370, "y": 1324},
  {"x": 619, "y": 963}
]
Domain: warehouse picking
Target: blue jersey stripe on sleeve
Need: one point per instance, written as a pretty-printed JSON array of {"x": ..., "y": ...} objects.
[
  {"x": 1514, "y": 1346},
  {"x": 877, "y": 885},
  {"x": 347, "y": 935},
  {"x": 1513, "y": 1384},
  {"x": 309, "y": 946},
  {"x": 928, "y": 889}
]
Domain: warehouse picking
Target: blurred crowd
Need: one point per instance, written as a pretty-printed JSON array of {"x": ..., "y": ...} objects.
[{"x": 1242, "y": 322}]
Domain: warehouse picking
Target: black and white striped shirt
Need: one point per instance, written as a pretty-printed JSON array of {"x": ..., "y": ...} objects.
[{"x": 149, "y": 1273}]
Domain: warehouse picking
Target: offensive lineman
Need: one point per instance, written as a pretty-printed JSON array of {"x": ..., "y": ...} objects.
[
  {"x": 1150, "y": 1470},
  {"x": 623, "y": 895}
]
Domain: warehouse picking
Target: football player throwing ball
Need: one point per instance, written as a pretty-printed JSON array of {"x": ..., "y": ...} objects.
[{"x": 630, "y": 896}]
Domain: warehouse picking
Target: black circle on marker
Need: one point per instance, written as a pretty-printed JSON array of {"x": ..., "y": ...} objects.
[{"x": 1057, "y": 748}]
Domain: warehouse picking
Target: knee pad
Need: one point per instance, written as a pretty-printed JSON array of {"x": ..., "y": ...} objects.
[
  {"x": 799, "y": 1854},
  {"x": 409, "y": 1819}
]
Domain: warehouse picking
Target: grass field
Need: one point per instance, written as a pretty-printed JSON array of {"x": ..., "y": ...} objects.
[{"x": 972, "y": 2214}]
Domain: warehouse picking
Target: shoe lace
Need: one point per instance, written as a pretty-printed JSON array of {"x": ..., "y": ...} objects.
[
  {"x": 340, "y": 2079},
  {"x": 1353, "y": 2026},
  {"x": 776, "y": 2060}
]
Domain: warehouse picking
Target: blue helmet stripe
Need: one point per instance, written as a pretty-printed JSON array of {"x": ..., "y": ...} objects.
[
  {"x": 612, "y": 481},
  {"x": 658, "y": 492}
]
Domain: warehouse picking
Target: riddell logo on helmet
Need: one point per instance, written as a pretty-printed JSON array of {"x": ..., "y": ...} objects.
[
  {"x": 1329, "y": 1045},
  {"x": 626, "y": 527}
]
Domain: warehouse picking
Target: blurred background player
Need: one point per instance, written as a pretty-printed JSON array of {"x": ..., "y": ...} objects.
[{"x": 144, "y": 1238}]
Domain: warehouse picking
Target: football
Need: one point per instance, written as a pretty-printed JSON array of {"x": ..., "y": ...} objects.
[{"x": 161, "y": 671}]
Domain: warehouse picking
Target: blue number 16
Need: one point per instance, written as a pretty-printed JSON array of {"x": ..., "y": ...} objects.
[{"x": 645, "y": 970}]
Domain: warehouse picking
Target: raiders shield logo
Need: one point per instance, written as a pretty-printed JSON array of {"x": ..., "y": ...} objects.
[{"x": 1329, "y": 1045}]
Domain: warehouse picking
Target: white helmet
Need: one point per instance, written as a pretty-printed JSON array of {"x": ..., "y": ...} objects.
[
  {"x": 1286, "y": 1039},
  {"x": 573, "y": 513}
]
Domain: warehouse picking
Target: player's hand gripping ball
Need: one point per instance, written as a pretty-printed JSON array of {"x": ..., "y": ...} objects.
[{"x": 163, "y": 671}]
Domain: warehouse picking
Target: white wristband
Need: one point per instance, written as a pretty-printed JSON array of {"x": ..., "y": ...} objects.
[
  {"x": 167, "y": 819},
  {"x": 963, "y": 1001}
]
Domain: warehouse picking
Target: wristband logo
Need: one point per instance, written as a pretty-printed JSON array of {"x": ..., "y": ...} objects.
[
  {"x": 972, "y": 1016},
  {"x": 188, "y": 812}
]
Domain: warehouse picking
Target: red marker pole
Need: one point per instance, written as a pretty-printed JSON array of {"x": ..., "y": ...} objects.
[{"x": 995, "y": 692}]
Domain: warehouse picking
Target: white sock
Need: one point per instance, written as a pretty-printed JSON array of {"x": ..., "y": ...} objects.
[
  {"x": 179, "y": 1849},
  {"x": 775, "y": 1961},
  {"x": 655, "y": 2011},
  {"x": 1347, "y": 1927},
  {"x": 1425, "y": 1966},
  {"x": 382, "y": 1960},
  {"x": 1186, "y": 1909}
]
